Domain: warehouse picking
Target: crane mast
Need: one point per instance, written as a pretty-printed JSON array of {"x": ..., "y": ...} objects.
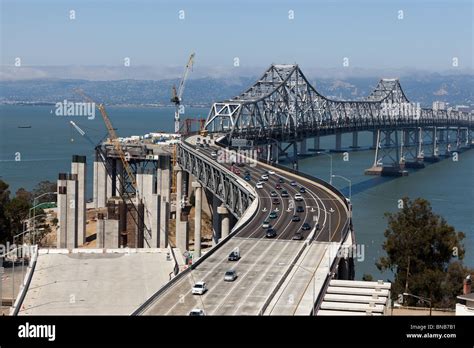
[{"x": 177, "y": 94}]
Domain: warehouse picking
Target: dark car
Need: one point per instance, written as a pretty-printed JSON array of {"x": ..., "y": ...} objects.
[
  {"x": 247, "y": 172},
  {"x": 306, "y": 227},
  {"x": 247, "y": 178},
  {"x": 278, "y": 186},
  {"x": 234, "y": 256},
  {"x": 298, "y": 236},
  {"x": 273, "y": 194},
  {"x": 295, "y": 218},
  {"x": 302, "y": 190},
  {"x": 293, "y": 183},
  {"x": 284, "y": 193},
  {"x": 281, "y": 180},
  {"x": 276, "y": 201},
  {"x": 240, "y": 164},
  {"x": 273, "y": 215},
  {"x": 271, "y": 233},
  {"x": 300, "y": 209}
]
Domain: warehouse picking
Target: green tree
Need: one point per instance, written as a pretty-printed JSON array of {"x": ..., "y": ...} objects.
[
  {"x": 424, "y": 253},
  {"x": 45, "y": 187},
  {"x": 4, "y": 220}
]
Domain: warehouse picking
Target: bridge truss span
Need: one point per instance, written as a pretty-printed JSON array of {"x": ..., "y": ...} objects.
[{"x": 283, "y": 105}]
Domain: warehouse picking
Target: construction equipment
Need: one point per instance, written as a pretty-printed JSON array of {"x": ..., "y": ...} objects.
[
  {"x": 114, "y": 139},
  {"x": 177, "y": 95}
]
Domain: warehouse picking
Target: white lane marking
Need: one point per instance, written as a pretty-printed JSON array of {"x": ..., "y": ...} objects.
[{"x": 240, "y": 278}]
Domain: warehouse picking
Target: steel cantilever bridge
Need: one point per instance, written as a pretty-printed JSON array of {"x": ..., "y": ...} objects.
[
  {"x": 285, "y": 275},
  {"x": 283, "y": 107}
]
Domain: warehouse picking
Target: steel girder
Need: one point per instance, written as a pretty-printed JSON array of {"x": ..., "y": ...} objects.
[
  {"x": 283, "y": 105},
  {"x": 217, "y": 179}
]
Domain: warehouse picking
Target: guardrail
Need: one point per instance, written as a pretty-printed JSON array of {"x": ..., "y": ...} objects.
[{"x": 29, "y": 275}]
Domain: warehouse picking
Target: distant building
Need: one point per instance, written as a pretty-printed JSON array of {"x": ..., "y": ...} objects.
[
  {"x": 465, "y": 302},
  {"x": 439, "y": 105},
  {"x": 463, "y": 108}
]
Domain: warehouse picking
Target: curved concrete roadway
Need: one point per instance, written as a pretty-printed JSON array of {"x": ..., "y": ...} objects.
[{"x": 264, "y": 261}]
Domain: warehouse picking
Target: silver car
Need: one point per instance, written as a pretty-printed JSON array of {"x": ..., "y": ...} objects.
[{"x": 230, "y": 275}]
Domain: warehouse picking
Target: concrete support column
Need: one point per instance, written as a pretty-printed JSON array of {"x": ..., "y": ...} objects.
[
  {"x": 355, "y": 139},
  {"x": 62, "y": 212},
  {"x": 109, "y": 189},
  {"x": 197, "y": 219},
  {"x": 338, "y": 141},
  {"x": 78, "y": 167},
  {"x": 165, "y": 166},
  {"x": 374, "y": 139},
  {"x": 100, "y": 184},
  {"x": 303, "y": 147},
  {"x": 216, "y": 224},
  {"x": 317, "y": 143},
  {"x": 275, "y": 153},
  {"x": 71, "y": 223},
  {"x": 225, "y": 220},
  {"x": 150, "y": 208},
  {"x": 100, "y": 231},
  {"x": 182, "y": 241}
]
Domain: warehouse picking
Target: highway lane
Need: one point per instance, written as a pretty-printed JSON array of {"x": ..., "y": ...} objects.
[{"x": 263, "y": 261}]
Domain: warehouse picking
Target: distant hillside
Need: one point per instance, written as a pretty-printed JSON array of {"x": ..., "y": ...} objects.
[{"x": 455, "y": 89}]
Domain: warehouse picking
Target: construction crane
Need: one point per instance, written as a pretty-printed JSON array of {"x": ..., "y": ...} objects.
[
  {"x": 177, "y": 95},
  {"x": 113, "y": 138}
]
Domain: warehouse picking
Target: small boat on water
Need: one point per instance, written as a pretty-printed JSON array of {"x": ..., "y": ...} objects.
[{"x": 24, "y": 126}]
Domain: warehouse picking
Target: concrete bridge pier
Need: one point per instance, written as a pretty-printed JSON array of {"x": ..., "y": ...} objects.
[
  {"x": 338, "y": 143},
  {"x": 317, "y": 143},
  {"x": 165, "y": 193},
  {"x": 303, "y": 147},
  {"x": 355, "y": 140},
  {"x": 388, "y": 159},
  {"x": 197, "y": 219},
  {"x": 411, "y": 138},
  {"x": 100, "y": 184},
  {"x": 182, "y": 239},
  {"x": 374, "y": 140},
  {"x": 79, "y": 167},
  {"x": 216, "y": 223},
  {"x": 432, "y": 149},
  {"x": 225, "y": 220}
]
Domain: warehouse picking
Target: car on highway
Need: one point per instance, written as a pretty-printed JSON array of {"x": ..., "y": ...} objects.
[
  {"x": 264, "y": 177},
  {"x": 302, "y": 189},
  {"x": 306, "y": 227},
  {"x": 281, "y": 180},
  {"x": 271, "y": 233},
  {"x": 284, "y": 193},
  {"x": 300, "y": 209},
  {"x": 271, "y": 172},
  {"x": 197, "y": 312},
  {"x": 206, "y": 144},
  {"x": 235, "y": 170},
  {"x": 273, "y": 194},
  {"x": 259, "y": 185},
  {"x": 247, "y": 178},
  {"x": 298, "y": 197},
  {"x": 213, "y": 154},
  {"x": 275, "y": 201},
  {"x": 234, "y": 255},
  {"x": 247, "y": 172},
  {"x": 278, "y": 186},
  {"x": 199, "y": 288},
  {"x": 295, "y": 218},
  {"x": 266, "y": 224},
  {"x": 297, "y": 236},
  {"x": 240, "y": 164},
  {"x": 293, "y": 183},
  {"x": 317, "y": 226},
  {"x": 273, "y": 215},
  {"x": 230, "y": 275}
]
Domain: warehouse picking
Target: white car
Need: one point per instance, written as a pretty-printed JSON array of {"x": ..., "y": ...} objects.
[
  {"x": 264, "y": 177},
  {"x": 230, "y": 275},
  {"x": 213, "y": 154},
  {"x": 298, "y": 197},
  {"x": 199, "y": 288},
  {"x": 197, "y": 312},
  {"x": 259, "y": 185},
  {"x": 271, "y": 172}
]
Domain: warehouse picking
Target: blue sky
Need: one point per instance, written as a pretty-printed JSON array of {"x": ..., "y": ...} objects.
[{"x": 321, "y": 34}]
